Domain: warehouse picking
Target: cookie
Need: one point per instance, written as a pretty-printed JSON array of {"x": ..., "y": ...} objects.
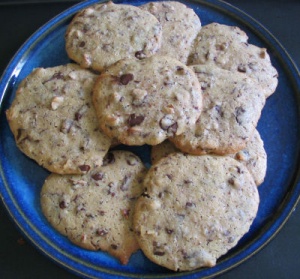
[
  {"x": 180, "y": 26},
  {"x": 162, "y": 150},
  {"x": 194, "y": 210},
  {"x": 232, "y": 105},
  {"x": 54, "y": 122},
  {"x": 253, "y": 156},
  {"x": 95, "y": 210},
  {"x": 104, "y": 33},
  {"x": 227, "y": 47},
  {"x": 146, "y": 101}
]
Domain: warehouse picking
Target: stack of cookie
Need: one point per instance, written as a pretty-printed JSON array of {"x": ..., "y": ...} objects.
[{"x": 149, "y": 75}]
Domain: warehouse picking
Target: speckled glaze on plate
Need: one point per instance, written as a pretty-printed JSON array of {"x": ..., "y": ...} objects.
[{"x": 279, "y": 126}]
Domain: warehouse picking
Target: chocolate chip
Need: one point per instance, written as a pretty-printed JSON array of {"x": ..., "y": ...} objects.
[
  {"x": 168, "y": 124},
  {"x": 126, "y": 78},
  {"x": 85, "y": 168},
  {"x": 134, "y": 120},
  {"x": 62, "y": 205},
  {"x": 140, "y": 54},
  {"x": 159, "y": 253},
  {"x": 108, "y": 159},
  {"x": 242, "y": 68},
  {"x": 169, "y": 231},
  {"x": 58, "y": 75},
  {"x": 98, "y": 176},
  {"x": 102, "y": 232},
  {"x": 114, "y": 246},
  {"x": 82, "y": 44},
  {"x": 190, "y": 204}
]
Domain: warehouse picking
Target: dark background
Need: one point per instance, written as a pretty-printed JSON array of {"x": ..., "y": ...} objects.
[{"x": 280, "y": 259}]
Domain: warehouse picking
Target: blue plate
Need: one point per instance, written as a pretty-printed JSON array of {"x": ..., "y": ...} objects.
[{"x": 22, "y": 179}]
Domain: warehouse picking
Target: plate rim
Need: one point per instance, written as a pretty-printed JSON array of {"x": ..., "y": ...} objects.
[{"x": 289, "y": 203}]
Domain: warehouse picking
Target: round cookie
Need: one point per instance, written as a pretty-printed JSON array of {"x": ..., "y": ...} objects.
[
  {"x": 253, "y": 156},
  {"x": 232, "y": 105},
  {"x": 146, "y": 101},
  {"x": 54, "y": 122},
  {"x": 227, "y": 47},
  {"x": 194, "y": 210},
  {"x": 95, "y": 210},
  {"x": 180, "y": 26},
  {"x": 104, "y": 33}
]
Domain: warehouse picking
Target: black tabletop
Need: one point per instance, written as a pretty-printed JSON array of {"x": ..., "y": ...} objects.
[{"x": 19, "y": 259}]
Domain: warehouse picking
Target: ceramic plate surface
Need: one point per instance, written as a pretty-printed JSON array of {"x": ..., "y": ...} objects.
[{"x": 22, "y": 179}]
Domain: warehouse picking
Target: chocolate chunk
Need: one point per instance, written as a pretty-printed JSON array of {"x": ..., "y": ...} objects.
[
  {"x": 98, "y": 176},
  {"x": 58, "y": 75},
  {"x": 140, "y": 54},
  {"x": 169, "y": 231},
  {"x": 168, "y": 124},
  {"x": 134, "y": 120},
  {"x": 114, "y": 246},
  {"x": 102, "y": 232},
  {"x": 62, "y": 205},
  {"x": 159, "y": 253},
  {"x": 126, "y": 78},
  {"x": 242, "y": 68},
  {"x": 84, "y": 168}
]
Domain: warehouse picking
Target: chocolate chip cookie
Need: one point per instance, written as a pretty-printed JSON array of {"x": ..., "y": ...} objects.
[
  {"x": 232, "y": 105},
  {"x": 146, "y": 101},
  {"x": 180, "y": 26},
  {"x": 104, "y": 33},
  {"x": 54, "y": 122},
  {"x": 227, "y": 47},
  {"x": 95, "y": 210},
  {"x": 194, "y": 210}
]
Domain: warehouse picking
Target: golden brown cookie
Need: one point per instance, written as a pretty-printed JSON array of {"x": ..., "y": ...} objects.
[
  {"x": 194, "y": 210},
  {"x": 180, "y": 26},
  {"x": 146, "y": 101},
  {"x": 104, "y": 33},
  {"x": 54, "y": 122},
  {"x": 95, "y": 210}
]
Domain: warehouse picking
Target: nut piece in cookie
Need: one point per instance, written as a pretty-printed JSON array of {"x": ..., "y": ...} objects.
[
  {"x": 95, "y": 210},
  {"x": 104, "y": 33},
  {"x": 54, "y": 122},
  {"x": 180, "y": 26},
  {"x": 146, "y": 101},
  {"x": 195, "y": 209}
]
